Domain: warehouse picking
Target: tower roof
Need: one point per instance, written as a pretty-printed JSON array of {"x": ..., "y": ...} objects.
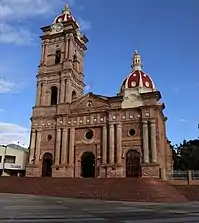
[
  {"x": 138, "y": 79},
  {"x": 65, "y": 16}
]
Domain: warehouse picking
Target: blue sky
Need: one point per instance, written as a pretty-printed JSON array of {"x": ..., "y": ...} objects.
[{"x": 164, "y": 31}]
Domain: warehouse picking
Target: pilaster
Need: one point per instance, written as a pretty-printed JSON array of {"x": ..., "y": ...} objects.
[
  {"x": 145, "y": 141},
  {"x": 104, "y": 145},
  {"x": 32, "y": 146},
  {"x": 72, "y": 147},
  {"x": 153, "y": 141},
  {"x": 111, "y": 144},
  {"x": 38, "y": 144},
  {"x": 64, "y": 157},
  {"x": 58, "y": 146},
  {"x": 119, "y": 143}
]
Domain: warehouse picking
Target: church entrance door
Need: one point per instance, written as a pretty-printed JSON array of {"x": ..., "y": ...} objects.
[
  {"x": 47, "y": 165},
  {"x": 133, "y": 168},
  {"x": 88, "y": 165}
]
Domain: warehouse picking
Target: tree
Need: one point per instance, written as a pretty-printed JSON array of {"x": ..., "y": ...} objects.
[{"x": 186, "y": 155}]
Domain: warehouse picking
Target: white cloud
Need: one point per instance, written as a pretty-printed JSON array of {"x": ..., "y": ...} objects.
[
  {"x": 17, "y": 35},
  {"x": 13, "y": 12},
  {"x": 87, "y": 87},
  {"x": 12, "y": 133},
  {"x": 21, "y": 9},
  {"x": 84, "y": 24},
  {"x": 6, "y": 86},
  {"x": 183, "y": 120}
]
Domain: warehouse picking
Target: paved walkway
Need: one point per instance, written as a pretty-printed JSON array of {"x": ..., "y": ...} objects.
[{"x": 28, "y": 208}]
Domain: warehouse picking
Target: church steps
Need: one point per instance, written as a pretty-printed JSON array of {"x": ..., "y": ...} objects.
[{"x": 137, "y": 190}]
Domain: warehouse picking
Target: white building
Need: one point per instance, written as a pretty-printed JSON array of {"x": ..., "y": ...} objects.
[{"x": 13, "y": 160}]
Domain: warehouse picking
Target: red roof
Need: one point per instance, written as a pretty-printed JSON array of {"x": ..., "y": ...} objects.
[{"x": 136, "y": 79}]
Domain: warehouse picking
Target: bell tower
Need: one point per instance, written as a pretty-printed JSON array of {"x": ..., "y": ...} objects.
[
  {"x": 60, "y": 76},
  {"x": 60, "y": 81}
]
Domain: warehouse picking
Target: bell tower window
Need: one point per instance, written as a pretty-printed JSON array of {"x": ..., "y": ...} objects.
[
  {"x": 57, "y": 56},
  {"x": 54, "y": 93},
  {"x": 74, "y": 96}
]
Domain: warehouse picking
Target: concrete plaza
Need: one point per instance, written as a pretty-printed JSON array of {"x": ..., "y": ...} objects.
[{"x": 29, "y": 208}]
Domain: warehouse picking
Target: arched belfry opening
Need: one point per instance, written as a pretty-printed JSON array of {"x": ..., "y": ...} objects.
[
  {"x": 133, "y": 165},
  {"x": 88, "y": 165},
  {"x": 58, "y": 56},
  {"x": 47, "y": 165},
  {"x": 74, "y": 95},
  {"x": 54, "y": 95}
]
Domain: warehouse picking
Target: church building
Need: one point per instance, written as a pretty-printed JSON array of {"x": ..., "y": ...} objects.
[{"x": 87, "y": 135}]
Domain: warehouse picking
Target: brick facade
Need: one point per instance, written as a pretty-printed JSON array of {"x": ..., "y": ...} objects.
[{"x": 64, "y": 116}]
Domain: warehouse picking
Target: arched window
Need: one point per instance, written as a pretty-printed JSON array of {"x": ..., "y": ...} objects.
[
  {"x": 54, "y": 93},
  {"x": 74, "y": 96},
  {"x": 58, "y": 56}
]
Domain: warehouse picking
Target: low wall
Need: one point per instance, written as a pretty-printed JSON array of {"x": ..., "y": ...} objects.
[
  {"x": 184, "y": 182},
  {"x": 184, "y": 178}
]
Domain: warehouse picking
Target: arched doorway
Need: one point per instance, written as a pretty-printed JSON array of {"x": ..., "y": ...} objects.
[
  {"x": 88, "y": 165},
  {"x": 133, "y": 168},
  {"x": 47, "y": 165}
]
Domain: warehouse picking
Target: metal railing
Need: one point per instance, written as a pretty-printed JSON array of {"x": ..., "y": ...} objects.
[
  {"x": 195, "y": 174},
  {"x": 184, "y": 175},
  {"x": 179, "y": 175}
]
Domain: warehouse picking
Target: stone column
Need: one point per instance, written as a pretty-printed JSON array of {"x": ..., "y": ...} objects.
[
  {"x": 82, "y": 64},
  {"x": 145, "y": 141},
  {"x": 58, "y": 145},
  {"x": 48, "y": 95},
  {"x": 153, "y": 141},
  {"x": 43, "y": 94},
  {"x": 38, "y": 94},
  {"x": 62, "y": 91},
  {"x": 119, "y": 143},
  {"x": 71, "y": 48},
  {"x": 38, "y": 144},
  {"x": 44, "y": 54},
  {"x": 64, "y": 147},
  {"x": 32, "y": 146},
  {"x": 66, "y": 48},
  {"x": 67, "y": 91},
  {"x": 104, "y": 145},
  {"x": 111, "y": 144},
  {"x": 72, "y": 147}
]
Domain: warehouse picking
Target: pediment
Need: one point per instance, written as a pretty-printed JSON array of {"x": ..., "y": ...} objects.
[{"x": 89, "y": 102}]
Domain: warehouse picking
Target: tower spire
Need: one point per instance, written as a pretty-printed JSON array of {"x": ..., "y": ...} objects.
[
  {"x": 137, "y": 62},
  {"x": 66, "y": 9}
]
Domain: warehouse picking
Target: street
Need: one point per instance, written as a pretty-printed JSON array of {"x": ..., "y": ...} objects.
[{"x": 29, "y": 208}]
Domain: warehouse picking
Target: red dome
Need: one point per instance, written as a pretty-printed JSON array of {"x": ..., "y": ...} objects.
[
  {"x": 138, "y": 79},
  {"x": 62, "y": 18},
  {"x": 65, "y": 16}
]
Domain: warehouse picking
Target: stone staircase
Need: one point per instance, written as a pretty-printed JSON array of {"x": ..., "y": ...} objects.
[
  {"x": 124, "y": 189},
  {"x": 191, "y": 192}
]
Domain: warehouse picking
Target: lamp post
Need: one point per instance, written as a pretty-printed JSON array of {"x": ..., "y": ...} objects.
[{"x": 4, "y": 159}]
